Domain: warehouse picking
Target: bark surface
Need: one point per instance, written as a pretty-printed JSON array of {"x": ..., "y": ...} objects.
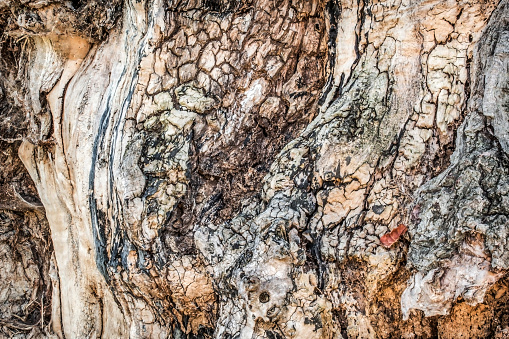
[{"x": 254, "y": 169}]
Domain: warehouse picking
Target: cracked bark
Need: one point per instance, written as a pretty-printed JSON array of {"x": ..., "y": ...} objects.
[{"x": 226, "y": 169}]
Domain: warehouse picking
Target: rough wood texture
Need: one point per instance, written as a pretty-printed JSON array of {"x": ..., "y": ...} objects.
[{"x": 233, "y": 169}]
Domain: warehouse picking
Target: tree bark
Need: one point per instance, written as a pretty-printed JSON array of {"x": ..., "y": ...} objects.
[{"x": 254, "y": 169}]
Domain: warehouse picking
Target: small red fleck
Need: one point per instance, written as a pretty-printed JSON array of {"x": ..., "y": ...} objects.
[{"x": 390, "y": 238}]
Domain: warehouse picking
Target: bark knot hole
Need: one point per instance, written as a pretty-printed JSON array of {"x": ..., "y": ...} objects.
[
  {"x": 264, "y": 297},
  {"x": 273, "y": 311}
]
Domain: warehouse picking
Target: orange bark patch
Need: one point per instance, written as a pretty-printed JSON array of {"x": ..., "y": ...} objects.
[{"x": 390, "y": 238}]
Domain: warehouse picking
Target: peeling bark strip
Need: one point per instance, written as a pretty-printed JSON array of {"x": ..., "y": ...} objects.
[{"x": 229, "y": 169}]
